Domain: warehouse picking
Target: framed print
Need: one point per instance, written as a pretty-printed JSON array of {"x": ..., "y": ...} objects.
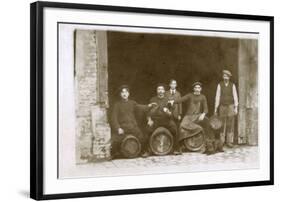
[{"x": 135, "y": 100}]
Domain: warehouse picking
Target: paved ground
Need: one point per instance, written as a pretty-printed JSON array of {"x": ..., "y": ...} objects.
[{"x": 240, "y": 157}]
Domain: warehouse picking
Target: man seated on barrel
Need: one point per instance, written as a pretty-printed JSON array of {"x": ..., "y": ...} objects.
[
  {"x": 161, "y": 115},
  {"x": 195, "y": 120},
  {"x": 124, "y": 122}
]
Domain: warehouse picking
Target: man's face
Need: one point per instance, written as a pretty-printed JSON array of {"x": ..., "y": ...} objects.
[
  {"x": 173, "y": 85},
  {"x": 160, "y": 91},
  {"x": 124, "y": 93},
  {"x": 225, "y": 77},
  {"x": 197, "y": 89}
]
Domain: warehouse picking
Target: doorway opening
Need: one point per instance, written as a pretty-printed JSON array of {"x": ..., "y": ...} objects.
[{"x": 141, "y": 60}]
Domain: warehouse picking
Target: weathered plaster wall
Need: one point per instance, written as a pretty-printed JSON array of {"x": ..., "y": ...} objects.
[
  {"x": 92, "y": 129},
  {"x": 248, "y": 91}
]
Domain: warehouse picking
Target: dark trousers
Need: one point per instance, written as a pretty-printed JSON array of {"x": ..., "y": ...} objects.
[
  {"x": 117, "y": 139},
  {"x": 208, "y": 131},
  {"x": 212, "y": 143}
]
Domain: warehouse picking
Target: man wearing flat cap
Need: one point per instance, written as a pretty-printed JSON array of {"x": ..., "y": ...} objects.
[
  {"x": 226, "y": 103},
  {"x": 195, "y": 120},
  {"x": 124, "y": 121}
]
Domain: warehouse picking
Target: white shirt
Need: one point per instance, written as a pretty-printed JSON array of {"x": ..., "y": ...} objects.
[{"x": 173, "y": 91}]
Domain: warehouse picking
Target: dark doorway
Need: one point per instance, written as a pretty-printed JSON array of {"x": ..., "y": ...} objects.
[{"x": 142, "y": 60}]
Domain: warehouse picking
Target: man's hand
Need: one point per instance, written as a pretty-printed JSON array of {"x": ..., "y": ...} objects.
[
  {"x": 153, "y": 104},
  {"x": 167, "y": 111},
  {"x": 150, "y": 122},
  {"x": 179, "y": 117},
  {"x": 201, "y": 117},
  {"x": 120, "y": 131},
  {"x": 236, "y": 110},
  {"x": 215, "y": 112},
  {"x": 171, "y": 102}
]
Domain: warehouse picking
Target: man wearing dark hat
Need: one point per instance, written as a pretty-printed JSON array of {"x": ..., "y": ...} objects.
[
  {"x": 227, "y": 102},
  {"x": 195, "y": 120},
  {"x": 124, "y": 121},
  {"x": 161, "y": 115}
]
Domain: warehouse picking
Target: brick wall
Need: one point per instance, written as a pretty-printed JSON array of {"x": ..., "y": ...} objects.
[{"x": 92, "y": 129}]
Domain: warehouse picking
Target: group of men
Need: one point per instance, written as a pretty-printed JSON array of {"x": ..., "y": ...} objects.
[{"x": 165, "y": 109}]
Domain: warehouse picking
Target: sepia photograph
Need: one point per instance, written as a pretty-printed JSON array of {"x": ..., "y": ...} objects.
[
  {"x": 130, "y": 100},
  {"x": 146, "y": 101}
]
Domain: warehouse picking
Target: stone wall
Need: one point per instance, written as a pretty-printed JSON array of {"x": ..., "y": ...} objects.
[
  {"x": 248, "y": 92},
  {"x": 92, "y": 129}
]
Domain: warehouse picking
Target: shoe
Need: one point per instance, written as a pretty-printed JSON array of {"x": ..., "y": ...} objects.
[
  {"x": 230, "y": 145},
  {"x": 177, "y": 153},
  {"x": 145, "y": 154},
  {"x": 210, "y": 153},
  {"x": 220, "y": 150},
  {"x": 115, "y": 155}
]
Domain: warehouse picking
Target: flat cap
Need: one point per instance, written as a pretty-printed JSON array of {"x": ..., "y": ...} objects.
[
  {"x": 123, "y": 87},
  {"x": 227, "y": 72},
  {"x": 197, "y": 83},
  {"x": 161, "y": 84}
]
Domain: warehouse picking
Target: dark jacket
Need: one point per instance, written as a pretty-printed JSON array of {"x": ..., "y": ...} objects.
[
  {"x": 123, "y": 114},
  {"x": 177, "y": 109},
  {"x": 196, "y": 104},
  {"x": 157, "y": 113}
]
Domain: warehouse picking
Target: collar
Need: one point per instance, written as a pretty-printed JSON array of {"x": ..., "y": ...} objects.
[
  {"x": 123, "y": 100},
  {"x": 172, "y": 91},
  {"x": 226, "y": 84}
]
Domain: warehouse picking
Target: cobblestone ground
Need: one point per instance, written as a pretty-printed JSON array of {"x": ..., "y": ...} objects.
[{"x": 239, "y": 157}]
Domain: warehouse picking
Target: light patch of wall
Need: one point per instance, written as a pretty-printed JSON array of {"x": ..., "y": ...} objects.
[
  {"x": 248, "y": 92},
  {"x": 92, "y": 129}
]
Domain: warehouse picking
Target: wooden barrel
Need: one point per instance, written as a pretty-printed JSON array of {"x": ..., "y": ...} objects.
[
  {"x": 130, "y": 147},
  {"x": 194, "y": 143},
  {"x": 161, "y": 141}
]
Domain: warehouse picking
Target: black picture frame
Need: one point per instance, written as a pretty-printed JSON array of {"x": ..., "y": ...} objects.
[{"x": 37, "y": 101}]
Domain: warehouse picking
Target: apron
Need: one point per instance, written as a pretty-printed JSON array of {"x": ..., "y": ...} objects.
[{"x": 188, "y": 127}]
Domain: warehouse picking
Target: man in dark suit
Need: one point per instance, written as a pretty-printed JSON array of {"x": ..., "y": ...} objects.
[{"x": 173, "y": 94}]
